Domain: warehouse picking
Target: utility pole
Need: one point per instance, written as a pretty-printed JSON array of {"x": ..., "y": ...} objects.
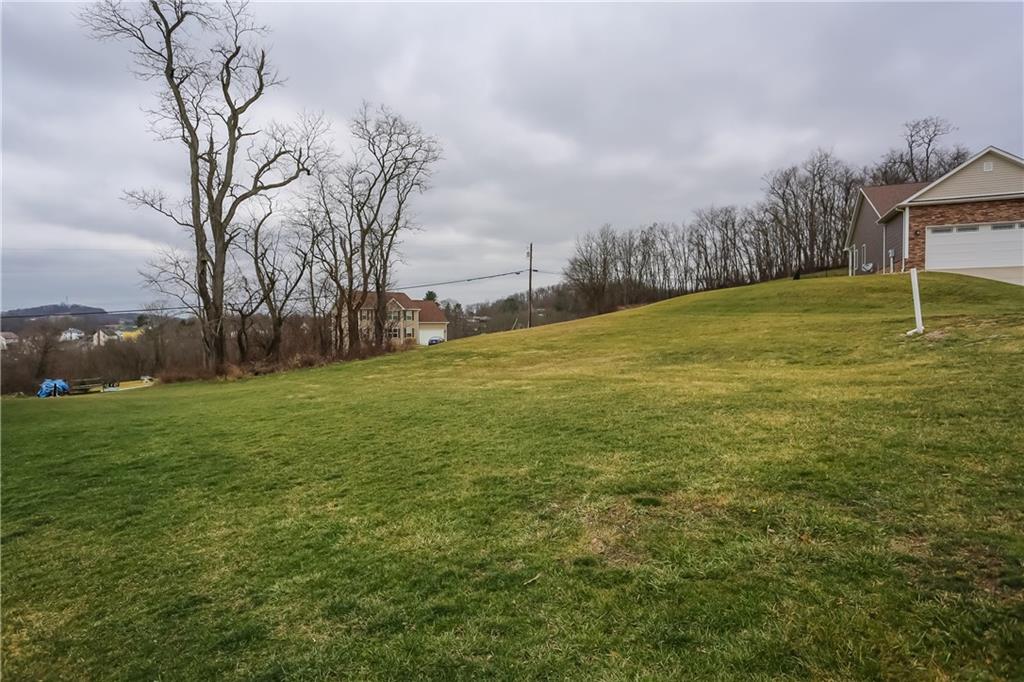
[{"x": 529, "y": 295}]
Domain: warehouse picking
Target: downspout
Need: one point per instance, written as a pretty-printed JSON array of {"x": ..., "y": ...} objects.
[{"x": 906, "y": 237}]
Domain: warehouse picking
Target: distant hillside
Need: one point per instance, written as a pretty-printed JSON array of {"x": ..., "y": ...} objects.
[{"x": 15, "y": 319}]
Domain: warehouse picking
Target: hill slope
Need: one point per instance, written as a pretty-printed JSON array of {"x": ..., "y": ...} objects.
[
  {"x": 60, "y": 313},
  {"x": 767, "y": 481}
]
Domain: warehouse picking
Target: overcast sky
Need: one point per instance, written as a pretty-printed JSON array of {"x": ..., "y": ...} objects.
[{"x": 554, "y": 119}]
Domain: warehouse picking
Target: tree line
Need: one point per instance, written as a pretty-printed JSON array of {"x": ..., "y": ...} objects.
[{"x": 798, "y": 226}]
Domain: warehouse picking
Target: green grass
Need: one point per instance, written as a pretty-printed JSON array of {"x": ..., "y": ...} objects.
[{"x": 765, "y": 482}]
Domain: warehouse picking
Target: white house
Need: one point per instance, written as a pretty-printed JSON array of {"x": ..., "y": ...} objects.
[
  {"x": 72, "y": 334},
  {"x": 102, "y": 337}
]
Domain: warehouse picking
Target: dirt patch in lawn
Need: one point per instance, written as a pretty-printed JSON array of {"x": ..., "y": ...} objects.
[
  {"x": 611, "y": 532},
  {"x": 966, "y": 568}
]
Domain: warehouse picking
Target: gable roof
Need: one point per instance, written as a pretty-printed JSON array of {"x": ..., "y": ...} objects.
[
  {"x": 881, "y": 199},
  {"x": 1012, "y": 158},
  {"x": 884, "y": 198},
  {"x": 397, "y": 296},
  {"x": 430, "y": 311}
]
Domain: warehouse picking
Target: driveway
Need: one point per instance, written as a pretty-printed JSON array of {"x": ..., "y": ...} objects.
[{"x": 1012, "y": 275}]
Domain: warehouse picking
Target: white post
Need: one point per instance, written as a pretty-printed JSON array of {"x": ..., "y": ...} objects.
[{"x": 917, "y": 304}]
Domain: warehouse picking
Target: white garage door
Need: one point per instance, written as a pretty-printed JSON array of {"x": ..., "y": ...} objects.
[
  {"x": 975, "y": 246},
  {"x": 429, "y": 330}
]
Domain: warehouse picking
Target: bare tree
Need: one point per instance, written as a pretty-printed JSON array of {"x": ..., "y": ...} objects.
[
  {"x": 244, "y": 298},
  {"x": 358, "y": 211},
  {"x": 279, "y": 259},
  {"x": 589, "y": 271},
  {"x": 799, "y": 225},
  {"x": 809, "y": 208},
  {"x": 394, "y": 159},
  {"x": 922, "y": 157},
  {"x": 339, "y": 242},
  {"x": 211, "y": 72},
  {"x": 172, "y": 274}
]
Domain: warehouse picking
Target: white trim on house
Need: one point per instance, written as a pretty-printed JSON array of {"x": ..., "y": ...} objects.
[
  {"x": 854, "y": 219},
  {"x": 856, "y": 215},
  {"x": 1012, "y": 158},
  {"x": 969, "y": 198},
  {"x": 906, "y": 237},
  {"x": 872, "y": 205}
]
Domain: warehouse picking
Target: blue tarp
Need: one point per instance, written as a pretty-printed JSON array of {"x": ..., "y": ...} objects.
[{"x": 53, "y": 387}]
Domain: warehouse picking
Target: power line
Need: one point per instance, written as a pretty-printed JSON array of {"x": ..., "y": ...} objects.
[{"x": 460, "y": 281}]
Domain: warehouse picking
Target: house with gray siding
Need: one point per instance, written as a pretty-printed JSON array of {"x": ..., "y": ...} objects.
[
  {"x": 872, "y": 246},
  {"x": 969, "y": 221}
]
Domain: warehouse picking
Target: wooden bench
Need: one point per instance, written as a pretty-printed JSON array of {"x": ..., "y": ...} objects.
[{"x": 78, "y": 386}]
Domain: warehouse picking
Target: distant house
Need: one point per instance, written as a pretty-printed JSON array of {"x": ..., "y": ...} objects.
[
  {"x": 8, "y": 339},
  {"x": 72, "y": 334},
  {"x": 104, "y": 336},
  {"x": 408, "y": 320},
  {"x": 971, "y": 221}
]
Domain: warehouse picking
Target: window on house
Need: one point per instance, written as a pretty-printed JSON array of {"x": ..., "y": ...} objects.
[
  {"x": 393, "y": 315},
  {"x": 987, "y": 166},
  {"x": 409, "y": 331},
  {"x": 863, "y": 253},
  {"x": 408, "y": 314},
  {"x": 393, "y": 332},
  {"x": 941, "y": 230},
  {"x": 1004, "y": 226},
  {"x": 967, "y": 228}
]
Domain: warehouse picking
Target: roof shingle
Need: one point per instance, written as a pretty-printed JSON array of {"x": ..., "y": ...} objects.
[
  {"x": 885, "y": 197},
  {"x": 429, "y": 310}
]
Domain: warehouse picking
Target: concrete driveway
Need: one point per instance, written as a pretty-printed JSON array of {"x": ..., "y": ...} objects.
[{"x": 1012, "y": 275}]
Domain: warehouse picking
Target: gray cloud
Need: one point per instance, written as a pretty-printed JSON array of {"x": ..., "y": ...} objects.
[{"x": 555, "y": 119}]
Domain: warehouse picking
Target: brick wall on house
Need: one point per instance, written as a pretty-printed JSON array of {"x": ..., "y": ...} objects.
[{"x": 921, "y": 217}]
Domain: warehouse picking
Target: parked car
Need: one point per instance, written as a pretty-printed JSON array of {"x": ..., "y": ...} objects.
[{"x": 434, "y": 340}]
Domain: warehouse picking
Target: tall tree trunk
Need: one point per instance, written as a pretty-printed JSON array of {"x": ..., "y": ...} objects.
[
  {"x": 274, "y": 347},
  {"x": 380, "y": 319},
  {"x": 243, "y": 340},
  {"x": 354, "y": 335}
]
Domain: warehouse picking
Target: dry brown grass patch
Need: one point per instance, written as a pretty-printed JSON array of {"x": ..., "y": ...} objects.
[{"x": 610, "y": 532}]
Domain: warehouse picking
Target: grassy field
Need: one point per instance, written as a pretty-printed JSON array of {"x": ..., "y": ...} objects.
[{"x": 764, "y": 482}]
